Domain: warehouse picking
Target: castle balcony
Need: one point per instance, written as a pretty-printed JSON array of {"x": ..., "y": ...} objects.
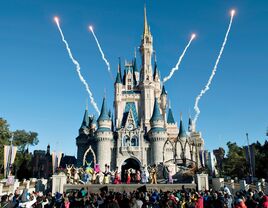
[{"x": 130, "y": 149}]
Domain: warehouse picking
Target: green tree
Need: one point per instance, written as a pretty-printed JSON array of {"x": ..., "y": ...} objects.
[
  {"x": 235, "y": 164},
  {"x": 21, "y": 138}
]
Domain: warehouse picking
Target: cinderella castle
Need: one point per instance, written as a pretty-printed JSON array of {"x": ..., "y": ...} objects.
[{"x": 143, "y": 130}]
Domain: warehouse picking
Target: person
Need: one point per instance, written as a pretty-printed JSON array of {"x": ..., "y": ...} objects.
[
  {"x": 116, "y": 176},
  {"x": 153, "y": 175},
  {"x": 144, "y": 175},
  {"x": 138, "y": 176},
  {"x": 170, "y": 179},
  {"x": 128, "y": 176}
]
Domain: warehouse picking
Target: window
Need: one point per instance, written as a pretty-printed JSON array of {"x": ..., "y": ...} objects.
[
  {"x": 135, "y": 141},
  {"x": 129, "y": 87},
  {"x": 129, "y": 80},
  {"x": 126, "y": 141}
]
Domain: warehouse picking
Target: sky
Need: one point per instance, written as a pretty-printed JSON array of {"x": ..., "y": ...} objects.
[{"x": 40, "y": 90}]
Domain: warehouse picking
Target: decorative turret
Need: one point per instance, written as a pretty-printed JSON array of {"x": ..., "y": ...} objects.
[
  {"x": 163, "y": 98},
  {"x": 182, "y": 132},
  {"x": 135, "y": 69},
  {"x": 48, "y": 149},
  {"x": 156, "y": 71},
  {"x": 157, "y": 134},
  {"x": 104, "y": 137},
  {"x": 170, "y": 118},
  {"x": 85, "y": 123},
  {"x": 190, "y": 125}
]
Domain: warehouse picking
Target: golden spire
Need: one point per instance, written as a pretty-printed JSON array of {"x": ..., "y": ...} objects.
[{"x": 146, "y": 28}]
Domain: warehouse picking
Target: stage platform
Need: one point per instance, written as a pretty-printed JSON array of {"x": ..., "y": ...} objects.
[{"x": 128, "y": 187}]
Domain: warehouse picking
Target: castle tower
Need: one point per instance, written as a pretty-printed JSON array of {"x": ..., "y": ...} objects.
[
  {"x": 118, "y": 85},
  {"x": 82, "y": 139},
  {"x": 157, "y": 82},
  {"x": 157, "y": 134},
  {"x": 146, "y": 75},
  {"x": 104, "y": 138},
  {"x": 163, "y": 103}
]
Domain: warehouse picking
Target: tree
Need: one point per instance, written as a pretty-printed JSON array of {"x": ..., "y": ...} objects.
[
  {"x": 235, "y": 165},
  {"x": 21, "y": 138}
]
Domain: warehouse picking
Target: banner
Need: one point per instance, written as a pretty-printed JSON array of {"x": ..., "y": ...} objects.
[
  {"x": 56, "y": 158},
  {"x": 9, "y": 158}
]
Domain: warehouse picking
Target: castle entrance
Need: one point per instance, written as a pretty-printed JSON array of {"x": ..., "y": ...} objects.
[{"x": 131, "y": 165}]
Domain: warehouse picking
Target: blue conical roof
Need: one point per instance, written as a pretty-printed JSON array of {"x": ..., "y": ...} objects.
[
  {"x": 104, "y": 113},
  {"x": 118, "y": 75},
  {"x": 156, "y": 72},
  {"x": 190, "y": 124},
  {"x": 170, "y": 118},
  {"x": 164, "y": 92},
  {"x": 85, "y": 121},
  {"x": 182, "y": 132},
  {"x": 156, "y": 112}
]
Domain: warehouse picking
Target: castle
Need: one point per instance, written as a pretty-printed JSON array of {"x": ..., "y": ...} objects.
[{"x": 143, "y": 130}]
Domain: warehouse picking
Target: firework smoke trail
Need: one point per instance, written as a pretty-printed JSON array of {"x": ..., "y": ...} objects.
[
  {"x": 206, "y": 88},
  {"x": 102, "y": 54},
  {"x": 56, "y": 19},
  {"x": 180, "y": 59}
]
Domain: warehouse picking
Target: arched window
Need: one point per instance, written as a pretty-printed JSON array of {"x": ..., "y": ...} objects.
[
  {"x": 126, "y": 141},
  {"x": 135, "y": 141}
]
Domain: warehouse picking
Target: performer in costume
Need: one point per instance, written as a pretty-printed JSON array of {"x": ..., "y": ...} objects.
[
  {"x": 138, "y": 176},
  {"x": 153, "y": 175},
  {"x": 128, "y": 176},
  {"x": 116, "y": 176},
  {"x": 106, "y": 174}
]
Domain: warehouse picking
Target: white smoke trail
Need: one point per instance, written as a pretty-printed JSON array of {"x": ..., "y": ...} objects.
[
  {"x": 102, "y": 54},
  {"x": 75, "y": 62},
  {"x": 206, "y": 88},
  {"x": 179, "y": 61}
]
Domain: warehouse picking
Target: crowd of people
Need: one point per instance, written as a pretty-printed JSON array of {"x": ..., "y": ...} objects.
[{"x": 140, "y": 198}]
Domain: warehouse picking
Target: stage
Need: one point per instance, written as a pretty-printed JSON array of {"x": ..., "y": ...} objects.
[{"x": 127, "y": 187}]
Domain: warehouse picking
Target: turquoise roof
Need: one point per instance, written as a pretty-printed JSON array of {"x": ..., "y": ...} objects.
[
  {"x": 157, "y": 129},
  {"x": 170, "y": 118},
  {"x": 132, "y": 106},
  {"x": 118, "y": 78},
  {"x": 103, "y": 129},
  {"x": 156, "y": 112},
  {"x": 85, "y": 121},
  {"x": 182, "y": 132},
  {"x": 164, "y": 92},
  {"x": 104, "y": 114}
]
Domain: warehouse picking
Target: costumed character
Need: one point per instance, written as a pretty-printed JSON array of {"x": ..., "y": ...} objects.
[
  {"x": 144, "y": 175},
  {"x": 153, "y": 173},
  {"x": 128, "y": 176},
  {"x": 116, "y": 176},
  {"x": 106, "y": 174},
  {"x": 138, "y": 176}
]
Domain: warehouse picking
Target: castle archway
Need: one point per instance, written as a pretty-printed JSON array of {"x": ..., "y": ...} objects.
[
  {"x": 131, "y": 163},
  {"x": 89, "y": 151}
]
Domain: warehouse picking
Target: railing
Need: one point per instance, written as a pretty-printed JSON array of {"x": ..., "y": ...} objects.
[{"x": 130, "y": 149}]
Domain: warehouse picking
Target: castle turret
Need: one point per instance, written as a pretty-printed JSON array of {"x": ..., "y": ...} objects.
[
  {"x": 157, "y": 82},
  {"x": 104, "y": 137},
  {"x": 118, "y": 85},
  {"x": 182, "y": 132},
  {"x": 135, "y": 69},
  {"x": 157, "y": 134},
  {"x": 163, "y": 103},
  {"x": 82, "y": 139}
]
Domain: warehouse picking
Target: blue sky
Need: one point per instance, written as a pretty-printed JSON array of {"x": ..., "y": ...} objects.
[{"x": 40, "y": 90}]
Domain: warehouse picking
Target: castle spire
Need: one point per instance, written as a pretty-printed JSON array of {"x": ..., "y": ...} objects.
[
  {"x": 85, "y": 121},
  {"x": 156, "y": 112},
  {"x": 118, "y": 75},
  {"x": 146, "y": 30},
  {"x": 182, "y": 132},
  {"x": 104, "y": 113}
]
